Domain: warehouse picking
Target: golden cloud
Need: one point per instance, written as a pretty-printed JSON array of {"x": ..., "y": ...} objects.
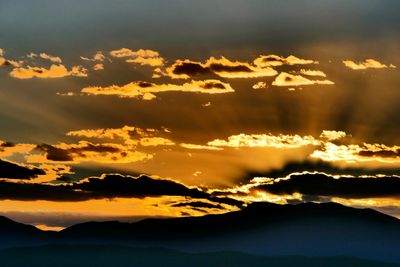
[
  {"x": 51, "y": 58},
  {"x": 313, "y": 72},
  {"x": 367, "y": 64},
  {"x": 147, "y": 91},
  {"x": 260, "y": 85},
  {"x": 98, "y": 66},
  {"x": 194, "y": 146},
  {"x": 8, "y": 149},
  {"x": 8, "y": 62},
  {"x": 223, "y": 67},
  {"x": 99, "y": 56},
  {"x": 55, "y": 71},
  {"x": 286, "y": 79},
  {"x": 141, "y": 56},
  {"x": 358, "y": 153},
  {"x": 265, "y": 140},
  {"x": 85, "y": 151},
  {"x": 274, "y": 60},
  {"x": 328, "y": 135},
  {"x": 129, "y": 135}
]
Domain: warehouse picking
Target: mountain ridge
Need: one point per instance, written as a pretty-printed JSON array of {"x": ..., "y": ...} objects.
[{"x": 264, "y": 229}]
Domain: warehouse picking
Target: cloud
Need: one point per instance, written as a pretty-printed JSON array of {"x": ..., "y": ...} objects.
[
  {"x": 98, "y": 66},
  {"x": 51, "y": 58},
  {"x": 107, "y": 186},
  {"x": 85, "y": 151},
  {"x": 125, "y": 133},
  {"x": 156, "y": 141},
  {"x": 198, "y": 205},
  {"x": 8, "y": 62},
  {"x": 286, "y": 79},
  {"x": 274, "y": 60},
  {"x": 195, "y": 146},
  {"x": 223, "y": 67},
  {"x": 114, "y": 185},
  {"x": 55, "y": 71},
  {"x": 99, "y": 56},
  {"x": 141, "y": 56},
  {"x": 264, "y": 140},
  {"x": 367, "y": 64},
  {"x": 313, "y": 73},
  {"x": 357, "y": 153},
  {"x": 147, "y": 90},
  {"x": 325, "y": 185},
  {"x": 328, "y": 135},
  {"x": 12, "y": 170},
  {"x": 319, "y": 166},
  {"x": 130, "y": 135},
  {"x": 260, "y": 85},
  {"x": 9, "y": 149}
]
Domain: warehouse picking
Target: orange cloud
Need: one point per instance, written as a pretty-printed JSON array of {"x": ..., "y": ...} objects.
[
  {"x": 55, "y": 71},
  {"x": 141, "y": 56},
  {"x": 274, "y": 60},
  {"x": 260, "y": 85},
  {"x": 286, "y": 79},
  {"x": 51, "y": 58},
  {"x": 223, "y": 67},
  {"x": 312, "y": 73},
  {"x": 85, "y": 151},
  {"x": 8, "y": 149},
  {"x": 99, "y": 56},
  {"x": 147, "y": 91},
  {"x": 367, "y": 64},
  {"x": 98, "y": 66},
  {"x": 8, "y": 62},
  {"x": 194, "y": 146},
  {"x": 264, "y": 140},
  {"x": 130, "y": 135}
]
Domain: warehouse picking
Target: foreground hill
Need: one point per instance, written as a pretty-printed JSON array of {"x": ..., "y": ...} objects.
[
  {"x": 324, "y": 230},
  {"x": 264, "y": 229},
  {"x": 119, "y": 256}
]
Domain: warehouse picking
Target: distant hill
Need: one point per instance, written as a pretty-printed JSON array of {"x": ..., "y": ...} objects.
[
  {"x": 261, "y": 228},
  {"x": 122, "y": 256}
]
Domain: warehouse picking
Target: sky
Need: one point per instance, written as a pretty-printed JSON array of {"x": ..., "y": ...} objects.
[{"x": 133, "y": 109}]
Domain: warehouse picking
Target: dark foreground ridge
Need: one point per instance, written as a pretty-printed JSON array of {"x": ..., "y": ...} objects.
[
  {"x": 122, "y": 256},
  {"x": 263, "y": 229}
]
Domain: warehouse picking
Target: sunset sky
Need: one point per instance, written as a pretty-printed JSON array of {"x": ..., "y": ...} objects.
[{"x": 121, "y": 110}]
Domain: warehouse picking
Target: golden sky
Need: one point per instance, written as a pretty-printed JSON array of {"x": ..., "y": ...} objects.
[{"x": 205, "y": 113}]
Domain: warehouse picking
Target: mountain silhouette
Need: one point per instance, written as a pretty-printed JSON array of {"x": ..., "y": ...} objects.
[
  {"x": 122, "y": 256},
  {"x": 261, "y": 229}
]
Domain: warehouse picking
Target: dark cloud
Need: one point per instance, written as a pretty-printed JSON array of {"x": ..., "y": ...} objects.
[
  {"x": 218, "y": 67},
  {"x": 115, "y": 185},
  {"x": 222, "y": 67},
  {"x": 324, "y": 185},
  {"x": 198, "y": 204},
  {"x": 16, "y": 171},
  {"x": 211, "y": 85},
  {"x": 317, "y": 166},
  {"x": 380, "y": 153},
  {"x": 6, "y": 144},
  {"x": 68, "y": 154},
  {"x": 55, "y": 154},
  {"x": 107, "y": 186},
  {"x": 190, "y": 68}
]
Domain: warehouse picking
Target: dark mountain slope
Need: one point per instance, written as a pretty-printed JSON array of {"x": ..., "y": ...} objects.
[
  {"x": 261, "y": 228},
  {"x": 119, "y": 256},
  {"x": 264, "y": 229}
]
